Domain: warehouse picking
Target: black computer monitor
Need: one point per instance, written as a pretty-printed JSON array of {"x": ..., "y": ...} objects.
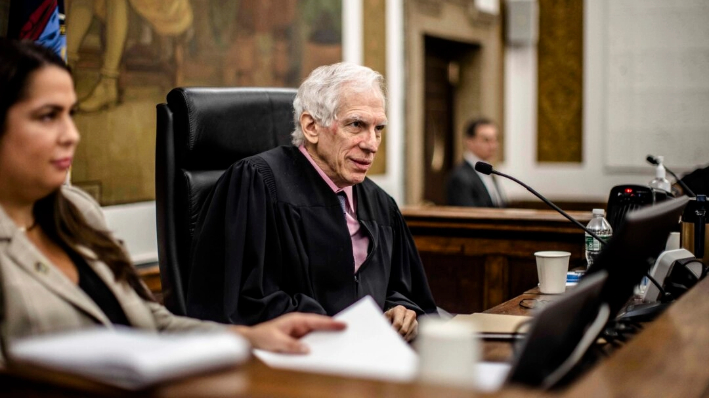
[
  {"x": 633, "y": 249},
  {"x": 564, "y": 330},
  {"x": 560, "y": 335}
]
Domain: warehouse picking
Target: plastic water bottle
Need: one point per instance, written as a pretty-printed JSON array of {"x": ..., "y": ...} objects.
[
  {"x": 600, "y": 226},
  {"x": 660, "y": 181}
]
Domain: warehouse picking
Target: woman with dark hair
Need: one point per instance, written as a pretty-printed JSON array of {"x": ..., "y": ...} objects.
[{"x": 60, "y": 268}]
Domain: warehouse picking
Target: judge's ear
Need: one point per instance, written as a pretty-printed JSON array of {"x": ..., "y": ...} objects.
[{"x": 309, "y": 127}]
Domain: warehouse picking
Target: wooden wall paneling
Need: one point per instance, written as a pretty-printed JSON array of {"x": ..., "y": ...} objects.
[
  {"x": 456, "y": 281},
  {"x": 496, "y": 287},
  {"x": 374, "y": 39},
  {"x": 560, "y": 79}
]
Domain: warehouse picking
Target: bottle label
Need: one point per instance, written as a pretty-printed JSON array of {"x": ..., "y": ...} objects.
[{"x": 594, "y": 245}]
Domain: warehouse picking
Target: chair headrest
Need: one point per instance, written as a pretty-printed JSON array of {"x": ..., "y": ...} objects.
[{"x": 218, "y": 126}]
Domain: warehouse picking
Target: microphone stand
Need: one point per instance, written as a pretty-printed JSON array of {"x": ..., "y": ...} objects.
[
  {"x": 545, "y": 200},
  {"x": 486, "y": 168}
]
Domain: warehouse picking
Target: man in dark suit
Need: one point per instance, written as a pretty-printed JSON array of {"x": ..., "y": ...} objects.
[{"x": 467, "y": 187}]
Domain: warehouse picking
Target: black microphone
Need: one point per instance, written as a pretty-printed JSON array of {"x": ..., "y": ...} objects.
[
  {"x": 653, "y": 160},
  {"x": 486, "y": 168}
]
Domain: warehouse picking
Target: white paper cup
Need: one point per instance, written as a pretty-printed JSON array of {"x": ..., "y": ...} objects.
[
  {"x": 448, "y": 352},
  {"x": 552, "y": 267}
]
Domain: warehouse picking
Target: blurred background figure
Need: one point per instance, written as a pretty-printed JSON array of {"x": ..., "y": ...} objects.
[{"x": 467, "y": 187}]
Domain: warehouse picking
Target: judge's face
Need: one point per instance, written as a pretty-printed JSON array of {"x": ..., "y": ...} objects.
[
  {"x": 484, "y": 144},
  {"x": 345, "y": 150},
  {"x": 39, "y": 136}
]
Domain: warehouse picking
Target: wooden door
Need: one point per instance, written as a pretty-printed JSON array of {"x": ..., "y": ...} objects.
[{"x": 438, "y": 121}]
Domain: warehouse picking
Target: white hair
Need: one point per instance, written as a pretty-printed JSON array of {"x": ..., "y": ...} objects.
[{"x": 321, "y": 92}]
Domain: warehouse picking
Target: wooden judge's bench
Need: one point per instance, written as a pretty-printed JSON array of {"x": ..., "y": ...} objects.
[
  {"x": 475, "y": 259},
  {"x": 669, "y": 358}
]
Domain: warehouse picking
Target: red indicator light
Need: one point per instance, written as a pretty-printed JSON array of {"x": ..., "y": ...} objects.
[{"x": 628, "y": 190}]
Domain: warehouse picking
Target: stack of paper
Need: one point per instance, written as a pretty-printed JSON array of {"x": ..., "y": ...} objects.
[
  {"x": 129, "y": 358},
  {"x": 368, "y": 348}
]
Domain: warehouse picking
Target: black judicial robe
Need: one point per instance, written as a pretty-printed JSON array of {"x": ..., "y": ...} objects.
[{"x": 272, "y": 239}]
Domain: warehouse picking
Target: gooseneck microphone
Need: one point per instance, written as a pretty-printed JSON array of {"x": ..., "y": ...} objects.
[
  {"x": 653, "y": 160},
  {"x": 486, "y": 168}
]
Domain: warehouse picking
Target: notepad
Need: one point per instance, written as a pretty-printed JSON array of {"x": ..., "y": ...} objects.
[
  {"x": 495, "y": 326},
  {"x": 129, "y": 358}
]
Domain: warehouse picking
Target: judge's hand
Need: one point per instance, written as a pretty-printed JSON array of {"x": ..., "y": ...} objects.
[
  {"x": 404, "y": 321},
  {"x": 282, "y": 334}
]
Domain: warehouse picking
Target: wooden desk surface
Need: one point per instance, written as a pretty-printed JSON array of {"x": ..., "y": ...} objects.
[{"x": 670, "y": 358}]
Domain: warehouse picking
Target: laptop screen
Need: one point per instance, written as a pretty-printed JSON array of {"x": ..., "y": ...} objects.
[
  {"x": 632, "y": 250},
  {"x": 556, "y": 332}
]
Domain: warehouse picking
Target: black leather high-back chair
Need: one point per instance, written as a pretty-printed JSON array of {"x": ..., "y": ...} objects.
[{"x": 200, "y": 133}]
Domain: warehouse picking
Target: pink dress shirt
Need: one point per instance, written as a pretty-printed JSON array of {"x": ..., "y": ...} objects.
[{"x": 360, "y": 240}]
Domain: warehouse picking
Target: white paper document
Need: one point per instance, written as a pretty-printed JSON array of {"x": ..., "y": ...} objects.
[
  {"x": 368, "y": 348},
  {"x": 129, "y": 358}
]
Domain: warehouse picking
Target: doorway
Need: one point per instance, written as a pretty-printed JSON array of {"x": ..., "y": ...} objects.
[{"x": 444, "y": 61}]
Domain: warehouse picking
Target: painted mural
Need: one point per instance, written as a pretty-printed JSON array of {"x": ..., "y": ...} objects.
[{"x": 126, "y": 55}]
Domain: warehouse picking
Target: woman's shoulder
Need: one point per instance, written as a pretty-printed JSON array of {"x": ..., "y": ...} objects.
[{"x": 88, "y": 207}]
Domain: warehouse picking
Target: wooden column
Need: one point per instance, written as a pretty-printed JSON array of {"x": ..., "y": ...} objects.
[{"x": 374, "y": 32}]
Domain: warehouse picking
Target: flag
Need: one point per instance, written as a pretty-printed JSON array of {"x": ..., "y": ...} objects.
[{"x": 41, "y": 21}]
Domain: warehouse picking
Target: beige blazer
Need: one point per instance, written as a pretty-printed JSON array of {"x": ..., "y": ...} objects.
[{"x": 40, "y": 299}]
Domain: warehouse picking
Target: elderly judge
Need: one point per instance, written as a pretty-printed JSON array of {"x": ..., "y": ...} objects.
[{"x": 301, "y": 228}]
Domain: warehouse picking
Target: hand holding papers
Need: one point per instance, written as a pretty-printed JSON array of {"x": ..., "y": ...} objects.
[
  {"x": 131, "y": 359},
  {"x": 367, "y": 348}
]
